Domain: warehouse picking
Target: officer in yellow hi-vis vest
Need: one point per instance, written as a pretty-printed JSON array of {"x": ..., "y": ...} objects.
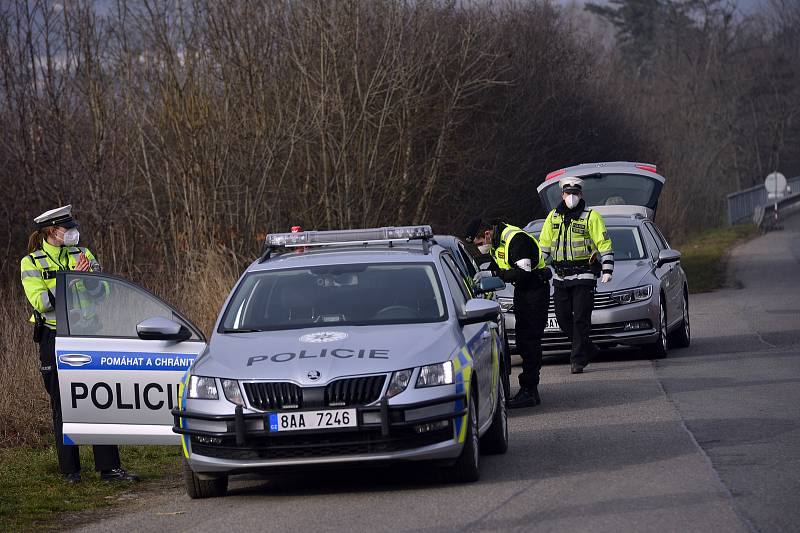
[
  {"x": 575, "y": 240},
  {"x": 517, "y": 259},
  {"x": 51, "y": 248}
]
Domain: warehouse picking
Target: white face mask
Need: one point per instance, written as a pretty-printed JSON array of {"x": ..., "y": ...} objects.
[
  {"x": 484, "y": 248},
  {"x": 71, "y": 237},
  {"x": 572, "y": 200}
]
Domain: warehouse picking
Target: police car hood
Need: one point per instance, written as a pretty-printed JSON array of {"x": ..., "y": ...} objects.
[
  {"x": 627, "y": 274},
  {"x": 330, "y": 351}
]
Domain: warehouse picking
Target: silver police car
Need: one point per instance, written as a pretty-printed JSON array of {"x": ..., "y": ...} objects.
[
  {"x": 647, "y": 302},
  {"x": 358, "y": 346}
]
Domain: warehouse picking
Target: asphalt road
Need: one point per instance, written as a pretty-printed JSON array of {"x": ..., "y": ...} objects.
[{"x": 705, "y": 440}]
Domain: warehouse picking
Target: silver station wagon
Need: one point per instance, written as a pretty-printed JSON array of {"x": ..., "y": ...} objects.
[
  {"x": 646, "y": 303},
  {"x": 335, "y": 347}
]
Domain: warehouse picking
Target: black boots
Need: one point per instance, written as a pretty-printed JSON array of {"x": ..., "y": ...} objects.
[
  {"x": 118, "y": 474},
  {"x": 577, "y": 368},
  {"x": 526, "y": 397},
  {"x": 73, "y": 478}
]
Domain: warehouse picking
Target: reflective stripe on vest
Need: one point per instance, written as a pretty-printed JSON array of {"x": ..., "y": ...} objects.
[
  {"x": 572, "y": 243},
  {"x": 501, "y": 254}
]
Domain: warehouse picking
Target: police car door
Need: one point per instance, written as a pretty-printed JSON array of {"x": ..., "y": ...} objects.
[
  {"x": 478, "y": 337},
  {"x": 115, "y": 386}
]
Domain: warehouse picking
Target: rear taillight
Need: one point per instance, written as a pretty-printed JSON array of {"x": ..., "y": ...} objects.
[
  {"x": 555, "y": 174},
  {"x": 648, "y": 168}
]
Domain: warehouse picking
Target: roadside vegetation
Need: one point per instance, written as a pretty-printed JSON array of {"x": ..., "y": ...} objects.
[
  {"x": 34, "y": 496},
  {"x": 704, "y": 257}
]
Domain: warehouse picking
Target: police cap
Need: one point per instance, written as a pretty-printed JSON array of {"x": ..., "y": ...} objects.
[
  {"x": 571, "y": 185},
  {"x": 61, "y": 216}
]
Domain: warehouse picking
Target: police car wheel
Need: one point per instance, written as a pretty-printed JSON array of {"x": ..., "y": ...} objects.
[
  {"x": 467, "y": 467},
  {"x": 198, "y": 488},
  {"x": 658, "y": 349},
  {"x": 682, "y": 337},
  {"x": 495, "y": 440}
]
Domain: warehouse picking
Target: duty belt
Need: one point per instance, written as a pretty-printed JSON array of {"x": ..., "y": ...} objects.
[{"x": 564, "y": 269}]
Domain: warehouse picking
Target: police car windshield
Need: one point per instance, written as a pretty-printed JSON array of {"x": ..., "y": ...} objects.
[
  {"x": 356, "y": 295},
  {"x": 626, "y": 243}
]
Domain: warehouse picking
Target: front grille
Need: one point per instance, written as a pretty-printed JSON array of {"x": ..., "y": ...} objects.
[
  {"x": 602, "y": 300},
  {"x": 360, "y": 442},
  {"x": 273, "y": 395},
  {"x": 354, "y": 391}
]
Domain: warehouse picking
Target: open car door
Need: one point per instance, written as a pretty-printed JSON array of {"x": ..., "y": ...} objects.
[
  {"x": 614, "y": 186},
  {"x": 121, "y": 353}
]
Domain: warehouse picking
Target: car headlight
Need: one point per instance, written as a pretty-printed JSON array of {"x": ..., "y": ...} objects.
[
  {"x": 438, "y": 374},
  {"x": 399, "y": 382},
  {"x": 232, "y": 391},
  {"x": 637, "y": 294},
  {"x": 203, "y": 388}
]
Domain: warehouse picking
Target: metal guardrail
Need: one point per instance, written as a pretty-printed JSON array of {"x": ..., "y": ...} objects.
[{"x": 743, "y": 205}]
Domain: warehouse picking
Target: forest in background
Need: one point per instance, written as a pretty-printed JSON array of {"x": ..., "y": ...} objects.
[{"x": 183, "y": 131}]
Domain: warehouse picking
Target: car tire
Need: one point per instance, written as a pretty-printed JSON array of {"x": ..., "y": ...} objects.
[
  {"x": 198, "y": 488},
  {"x": 495, "y": 440},
  {"x": 658, "y": 349},
  {"x": 682, "y": 337},
  {"x": 466, "y": 469}
]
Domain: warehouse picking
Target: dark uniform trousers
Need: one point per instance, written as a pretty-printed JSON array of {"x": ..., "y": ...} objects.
[
  {"x": 530, "y": 312},
  {"x": 573, "y": 306},
  {"x": 105, "y": 457}
]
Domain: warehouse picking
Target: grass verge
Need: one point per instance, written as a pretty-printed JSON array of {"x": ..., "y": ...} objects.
[
  {"x": 705, "y": 256},
  {"x": 34, "y": 496}
]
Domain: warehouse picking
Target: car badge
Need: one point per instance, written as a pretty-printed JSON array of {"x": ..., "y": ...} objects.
[
  {"x": 324, "y": 336},
  {"x": 75, "y": 359},
  {"x": 314, "y": 375}
]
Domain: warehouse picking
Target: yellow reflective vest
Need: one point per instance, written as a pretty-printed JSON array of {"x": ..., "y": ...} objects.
[
  {"x": 576, "y": 242},
  {"x": 501, "y": 253},
  {"x": 38, "y": 275}
]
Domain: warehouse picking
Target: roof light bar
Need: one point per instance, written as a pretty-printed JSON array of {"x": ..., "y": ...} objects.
[
  {"x": 352, "y": 236},
  {"x": 648, "y": 168},
  {"x": 555, "y": 174}
]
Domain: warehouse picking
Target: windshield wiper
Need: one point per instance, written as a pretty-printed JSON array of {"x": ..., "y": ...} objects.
[{"x": 240, "y": 330}]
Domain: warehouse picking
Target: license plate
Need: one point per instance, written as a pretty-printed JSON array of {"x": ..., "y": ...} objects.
[
  {"x": 304, "y": 420},
  {"x": 552, "y": 324}
]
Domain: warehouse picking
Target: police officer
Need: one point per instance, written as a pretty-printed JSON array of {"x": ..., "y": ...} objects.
[
  {"x": 517, "y": 259},
  {"x": 53, "y": 247},
  {"x": 575, "y": 239}
]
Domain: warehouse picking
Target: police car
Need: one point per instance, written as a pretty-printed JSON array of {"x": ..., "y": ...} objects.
[
  {"x": 646, "y": 304},
  {"x": 357, "y": 346}
]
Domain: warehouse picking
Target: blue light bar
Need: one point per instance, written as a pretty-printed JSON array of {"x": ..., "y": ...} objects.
[{"x": 351, "y": 236}]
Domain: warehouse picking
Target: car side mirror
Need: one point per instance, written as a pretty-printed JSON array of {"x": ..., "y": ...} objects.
[
  {"x": 668, "y": 256},
  {"x": 479, "y": 310},
  {"x": 489, "y": 284},
  {"x": 159, "y": 328}
]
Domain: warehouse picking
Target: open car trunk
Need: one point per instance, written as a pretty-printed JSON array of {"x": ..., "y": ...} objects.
[{"x": 615, "y": 187}]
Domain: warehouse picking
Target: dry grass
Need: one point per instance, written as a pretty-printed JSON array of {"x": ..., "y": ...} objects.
[{"x": 24, "y": 405}]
